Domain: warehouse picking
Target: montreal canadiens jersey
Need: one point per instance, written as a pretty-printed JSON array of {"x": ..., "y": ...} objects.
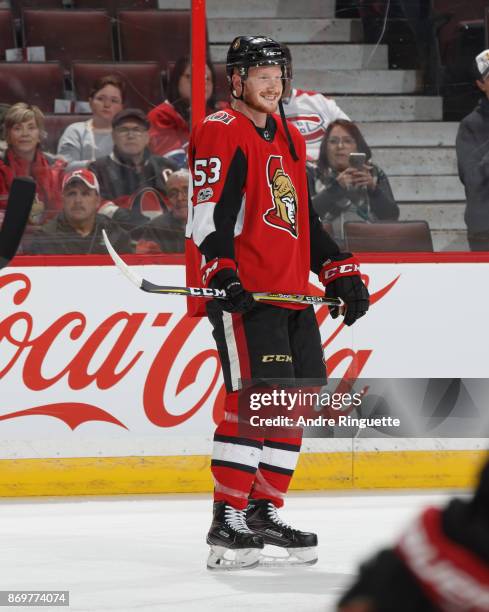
[
  {"x": 311, "y": 113},
  {"x": 250, "y": 203}
]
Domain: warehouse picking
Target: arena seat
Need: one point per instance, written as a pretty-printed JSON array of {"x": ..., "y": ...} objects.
[
  {"x": 55, "y": 126},
  {"x": 18, "y": 6},
  {"x": 112, "y": 6},
  {"x": 387, "y": 236},
  {"x": 7, "y": 32},
  {"x": 162, "y": 36},
  {"x": 37, "y": 83},
  {"x": 143, "y": 81},
  {"x": 69, "y": 35}
]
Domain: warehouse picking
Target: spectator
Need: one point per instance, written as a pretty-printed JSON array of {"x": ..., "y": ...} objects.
[
  {"x": 472, "y": 147},
  {"x": 166, "y": 233},
  {"x": 77, "y": 230},
  {"x": 85, "y": 141},
  {"x": 132, "y": 181},
  {"x": 343, "y": 193},
  {"x": 310, "y": 112},
  {"x": 23, "y": 129},
  {"x": 170, "y": 129}
]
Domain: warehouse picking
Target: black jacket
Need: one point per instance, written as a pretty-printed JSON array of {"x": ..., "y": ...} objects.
[
  {"x": 167, "y": 232},
  {"x": 472, "y": 147},
  {"x": 119, "y": 178},
  {"x": 58, "y": 237}
]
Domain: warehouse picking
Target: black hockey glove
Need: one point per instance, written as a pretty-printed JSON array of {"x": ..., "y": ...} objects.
[
  {"x": 220, "y": 273},
  {"x": 340, "y": 275},
  {"x": 238, "y": 299}
]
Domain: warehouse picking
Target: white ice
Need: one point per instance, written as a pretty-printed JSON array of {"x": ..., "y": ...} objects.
[{"x": 148, "y": 553}]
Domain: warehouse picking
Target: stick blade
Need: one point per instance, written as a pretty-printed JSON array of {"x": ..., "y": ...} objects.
[
  {"x": 123, "y": 267},
  {"x": 20, "y": 200}
]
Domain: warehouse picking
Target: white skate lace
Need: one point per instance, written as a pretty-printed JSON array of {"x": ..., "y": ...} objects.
[
  {"x": 274, "y": 517},
  {"x": 236, "y": 519}
]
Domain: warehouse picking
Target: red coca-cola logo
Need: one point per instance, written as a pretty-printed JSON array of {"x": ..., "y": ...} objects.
[{"x": 17, "y": 332}]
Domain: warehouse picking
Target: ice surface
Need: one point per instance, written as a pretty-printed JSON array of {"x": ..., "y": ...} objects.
[{"x": 148, "y": 553}]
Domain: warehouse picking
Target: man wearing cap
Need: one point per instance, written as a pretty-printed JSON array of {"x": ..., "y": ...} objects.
[
  {"x": 77, "y": 230},
  {"x": 472, "y": 147},
  {"x": 166, "y": 233},
  {"x": 132, "y": 181}
]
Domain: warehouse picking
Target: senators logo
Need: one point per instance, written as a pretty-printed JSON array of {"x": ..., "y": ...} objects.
[{"x": 283, "y": 213}]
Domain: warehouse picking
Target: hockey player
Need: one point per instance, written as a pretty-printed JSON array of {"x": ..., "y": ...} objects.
[
  {"x": 252, "y": 228},
  {"x": 440, "y": 564}
]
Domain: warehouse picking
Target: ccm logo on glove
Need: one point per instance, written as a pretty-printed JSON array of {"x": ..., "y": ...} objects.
[
  {"x": 333, "y": 269},
  {"x": 213, "y": 266}
]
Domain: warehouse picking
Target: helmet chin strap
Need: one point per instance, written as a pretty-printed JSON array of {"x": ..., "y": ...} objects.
[{"x": 292, "y": 150}]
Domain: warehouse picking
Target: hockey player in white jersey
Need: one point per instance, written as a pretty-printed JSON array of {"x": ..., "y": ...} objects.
[{"x": 311, "y": 113}]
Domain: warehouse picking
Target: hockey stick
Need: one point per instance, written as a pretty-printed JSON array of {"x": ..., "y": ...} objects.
[
  {"x": 19, "y": 204},
  {"x": 207, "y": 292}
]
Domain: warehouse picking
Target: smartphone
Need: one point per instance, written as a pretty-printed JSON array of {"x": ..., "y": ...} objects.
[{"x": 357, "y": 160}]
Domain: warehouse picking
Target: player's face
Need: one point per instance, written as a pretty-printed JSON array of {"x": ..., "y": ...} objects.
[
  {"x": 24, "y": 137},
  {"x": 340, "y": 144},
  {"x": 177, "y": 189},
  {"x": 263, "y": 88},
  {"x": 80, "y": 203}
]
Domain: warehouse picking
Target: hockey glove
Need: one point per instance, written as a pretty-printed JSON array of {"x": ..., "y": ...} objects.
[
  {"x": 221, "y": 274},
  {"x": 340, "y": 275}
]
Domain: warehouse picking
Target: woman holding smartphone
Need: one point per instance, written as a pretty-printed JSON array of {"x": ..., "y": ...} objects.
[{"x": 345, "y": 185}]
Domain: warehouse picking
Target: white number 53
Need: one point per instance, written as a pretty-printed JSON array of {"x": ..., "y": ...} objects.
[{"x": 207, "y": 171}]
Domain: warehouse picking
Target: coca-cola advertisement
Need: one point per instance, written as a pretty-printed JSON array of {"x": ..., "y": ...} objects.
[{"x": 92, "y": 366}]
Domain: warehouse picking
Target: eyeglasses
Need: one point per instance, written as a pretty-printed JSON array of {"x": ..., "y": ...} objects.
[
  {"x": 125, "y": 131},
  {"x": 335, "y": 141},
  {"x": 173, "y": 194}
]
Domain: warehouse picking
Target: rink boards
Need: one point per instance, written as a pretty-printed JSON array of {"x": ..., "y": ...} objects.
[{"x": 107, "y": 389}]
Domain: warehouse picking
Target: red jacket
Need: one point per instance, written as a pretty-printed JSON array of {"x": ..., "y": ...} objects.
[
  {"x": 46, "y": 174},
  {"x": 169, "y": 132}
]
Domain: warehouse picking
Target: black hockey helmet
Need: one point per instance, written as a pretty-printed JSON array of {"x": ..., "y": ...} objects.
[{"x": 248, "y": 51}]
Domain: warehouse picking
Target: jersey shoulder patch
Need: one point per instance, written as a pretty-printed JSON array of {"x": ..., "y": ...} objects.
[{"x": 221, "y": 116}]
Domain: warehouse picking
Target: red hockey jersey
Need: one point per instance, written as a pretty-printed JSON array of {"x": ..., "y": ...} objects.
[{"x": 250, "y": 203}]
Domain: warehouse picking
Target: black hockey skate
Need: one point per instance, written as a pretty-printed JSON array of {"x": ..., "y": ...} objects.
[
  {"x": 263, "y": 519},
  {"x": 233, "y": 544}
]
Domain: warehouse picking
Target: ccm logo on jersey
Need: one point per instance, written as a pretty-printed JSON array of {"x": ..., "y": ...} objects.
[
  {"x": 349, "y": 268},
  {"x": 221, "y": 116},
  {"x": 279, "y": 358}
]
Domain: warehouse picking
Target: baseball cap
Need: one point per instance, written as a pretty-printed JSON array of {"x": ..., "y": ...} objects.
[
  {"x": 482, "y": 61},
  {"x": 83, "y": 175},
  {"x": 130, "y": 113}
]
